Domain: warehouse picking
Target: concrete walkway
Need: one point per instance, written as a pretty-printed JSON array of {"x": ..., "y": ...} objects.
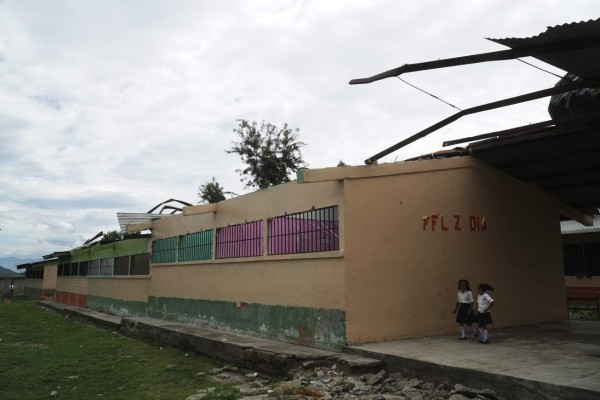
[
  {"x": 553, "y": 360},
  {"x": 249, "y": 351},
  {"x": 559, "y": 360}
]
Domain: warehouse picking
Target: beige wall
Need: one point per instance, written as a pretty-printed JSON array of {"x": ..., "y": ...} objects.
[
  {"x": 122, "y": 288},
  {"x": 77, "y": 285},
  {"x": 401, "y": 280},
  {"x": 305, "y": 280},
  {"x": 50, "y": 276},
  {"x": 33, "y": 283},
  {"x": 317, "y": 282},
  {"x": 573, "y": 281}
]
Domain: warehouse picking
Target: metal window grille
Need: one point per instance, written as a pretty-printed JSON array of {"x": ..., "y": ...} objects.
[
  {"x": 195, "y": 246},
  {"x": 121, "y": 265},
  {"x": 83, "y": 268},
  {"x": 164, "y": 250},
  {"x": 106, "y": 266},
  {"x": 74, "y": 269},
  {"x": 31, "y": 273},
  {"x": 94, "y": 267},
  {"x": 243, "y": 240},
  {"x": 140, "y": 264},
  {"x": 304, "y": 232}
]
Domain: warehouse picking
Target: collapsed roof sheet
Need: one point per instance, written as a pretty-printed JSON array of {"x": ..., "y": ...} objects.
[{"x": 584, "y": 63}]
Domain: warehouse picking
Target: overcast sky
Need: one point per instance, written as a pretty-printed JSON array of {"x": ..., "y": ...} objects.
[{"x": 110, "y": 106}]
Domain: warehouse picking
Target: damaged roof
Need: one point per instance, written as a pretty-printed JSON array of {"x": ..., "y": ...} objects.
[
  {"x": 562, "y": 156},
  {"x": 584, "y": 62}
]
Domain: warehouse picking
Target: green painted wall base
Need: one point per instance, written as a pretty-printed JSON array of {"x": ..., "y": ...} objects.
[
  {"x": 123, "y": 308},
  {"x": 301, "y": 325}
]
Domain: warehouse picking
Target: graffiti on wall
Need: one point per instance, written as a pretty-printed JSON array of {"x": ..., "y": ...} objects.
[{"x": 454, "y": 222}]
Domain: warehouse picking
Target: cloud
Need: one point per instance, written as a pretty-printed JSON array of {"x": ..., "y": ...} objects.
[{"x": 117, "y": 106}]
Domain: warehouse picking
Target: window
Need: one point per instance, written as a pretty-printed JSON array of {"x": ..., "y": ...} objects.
[
  {"x": 83, "y": 268},
  {"x": 106, "y": 266},
  {"x": 140, "y": 264},
  {"x": 243, "y": 240},
  {"x": 305, "y": 232},
  {"x": 164, "y": 250},
  {"x": 582, "y": 259},
  {"x": 31, "y": 273},
  {"x": 195, "y": 246},
  {"x": 122, "y": 265},
  {"x": 94, "y": 267}
]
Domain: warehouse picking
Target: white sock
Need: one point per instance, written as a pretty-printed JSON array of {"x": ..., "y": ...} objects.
[
  {"x": 474, "y": 331},
  {"x": 484, "y": 334},
  {"x": 481, "y": 332},
  {"x": 462, "y": 331}
]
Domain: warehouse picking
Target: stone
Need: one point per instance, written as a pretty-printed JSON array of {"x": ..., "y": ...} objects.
[
  {"x": 470, "y": 392},
  {"x": 53, "y": 393},
  {"x": 393, "y": 397},
  {"x": 457, "y": 396},
  {"x": 229, "y": 368},
  {"x": 410, "y": 392},
  {"x": 245, "y": 392},
  {"x": 171, "y": 366},
  {"x": 308, "y": 391},
  {"x": 227, "y": 377},
  {"x": 196, "y": 396},
  {"x": 287, "y": 388},
  {"x": 378, "y": 377},
  {"x": 428, "y": 386}
]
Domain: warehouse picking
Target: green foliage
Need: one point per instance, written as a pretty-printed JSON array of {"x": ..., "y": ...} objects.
[
  {"x": 269, "y": 153},
  {"x": 111, "y": 236},
  {"x": 211, "y": 192},
  {"x": 43, "y": 351}
]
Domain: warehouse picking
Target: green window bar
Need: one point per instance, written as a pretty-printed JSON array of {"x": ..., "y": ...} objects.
[
  {"x": 195, "y": 246},
  {"x": 164, "y": 250}
]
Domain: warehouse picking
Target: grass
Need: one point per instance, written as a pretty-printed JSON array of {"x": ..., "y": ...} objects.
[{"x": 43, "y": 351}]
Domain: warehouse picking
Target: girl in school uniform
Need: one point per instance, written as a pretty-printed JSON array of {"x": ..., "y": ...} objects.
[
  {"x": 464, "y": 308},
  {"x": 484, "y": 305}
]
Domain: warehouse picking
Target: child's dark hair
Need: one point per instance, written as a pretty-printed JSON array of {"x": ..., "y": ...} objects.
[
  {"x": 485, "y": 287},
  {"x": 466, "y": 283}
]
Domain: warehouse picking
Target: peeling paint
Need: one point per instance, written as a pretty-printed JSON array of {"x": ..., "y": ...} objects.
[
  {"x": 123, "y": 308},
  {"x": 303, "y": 325}
]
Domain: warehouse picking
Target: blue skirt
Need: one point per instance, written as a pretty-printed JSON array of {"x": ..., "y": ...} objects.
[
  {"x": 484, "y": 318},
  {"x": 463, "y": 316}
]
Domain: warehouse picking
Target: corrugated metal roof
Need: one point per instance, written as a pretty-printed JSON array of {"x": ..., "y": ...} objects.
[
  {"x": 563, "y": 160},
  {"x": 136, "y": 218},
  {"x": 571, "y": 227},
  {"x": 584, "y": 63}
]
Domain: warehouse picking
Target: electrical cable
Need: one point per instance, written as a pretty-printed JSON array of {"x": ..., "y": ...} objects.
[{"x": 434, "y": 96}]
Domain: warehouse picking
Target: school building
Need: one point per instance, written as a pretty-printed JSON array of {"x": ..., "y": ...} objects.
[
  {"x": 344, "y": 255},
  {"x": 356, "y": 254}
]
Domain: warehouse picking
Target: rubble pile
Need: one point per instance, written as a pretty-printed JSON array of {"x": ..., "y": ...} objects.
[{"x": 331, "y": 382}]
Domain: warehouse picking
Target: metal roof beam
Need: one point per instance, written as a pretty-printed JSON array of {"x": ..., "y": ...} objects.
[
  {"x": 486, "y": 107},
  {"x": 530, "y": 128},
  {"x": 548, "y": 48}
]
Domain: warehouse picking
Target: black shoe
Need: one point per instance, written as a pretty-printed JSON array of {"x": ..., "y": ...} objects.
[
  {"x": 462, "y": 338},
  {"x": 483, "y": 341},
  {"x": 475, "y": 334}
]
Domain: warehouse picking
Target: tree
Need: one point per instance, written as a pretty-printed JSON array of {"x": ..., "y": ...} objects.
[
  {"x": 269, "y": 153},
  {"x": 111, "y": 236},
  {"x": 211, "y": 192}
]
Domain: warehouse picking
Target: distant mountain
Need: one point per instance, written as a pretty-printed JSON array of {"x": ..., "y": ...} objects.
[
  {"x": 10, "y": 262},
  {"x": 6, "y": 271}
]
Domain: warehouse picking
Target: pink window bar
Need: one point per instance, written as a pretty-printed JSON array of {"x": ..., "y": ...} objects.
[
  {"x": 305, "y": 232},
  {"x": 243, "y": 240}
]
